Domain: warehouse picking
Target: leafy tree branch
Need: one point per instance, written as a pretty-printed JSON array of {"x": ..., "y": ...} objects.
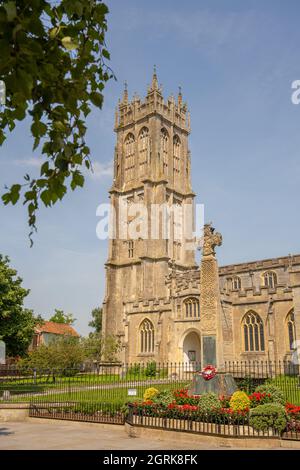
[{"x": 53, "y": 62}]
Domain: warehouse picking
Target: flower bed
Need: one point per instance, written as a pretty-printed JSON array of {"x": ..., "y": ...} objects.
[{"x": 261, "y": 413}]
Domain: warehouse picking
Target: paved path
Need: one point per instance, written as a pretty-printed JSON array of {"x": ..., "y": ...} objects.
[{"x": 38, "y": 434}]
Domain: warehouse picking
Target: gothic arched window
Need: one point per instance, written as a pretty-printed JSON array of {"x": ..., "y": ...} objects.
[
  {"x": 130, "y": 248},
  {"x": 291, "y": 330},
  {"x": 164, "y": 144},
  {"x": 176, "y": 156},
  {"x": 147, "y": 336},
  {"x": 253, "y": 329},
  {"x": 270, "y": 279},
  {"x": 236, "y": 283},
  {"x": 191, "y": 308},
  {"x": 143, "y": 150},
  {"x": 129, "y": 157}
]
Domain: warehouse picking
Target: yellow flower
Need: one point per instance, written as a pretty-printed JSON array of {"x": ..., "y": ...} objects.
[
  {"x": 239, "y": 401},
  {"x": 150, "y": 393}
]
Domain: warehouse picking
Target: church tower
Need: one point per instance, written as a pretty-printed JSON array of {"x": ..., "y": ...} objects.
[{"x": 151, "y": 170}]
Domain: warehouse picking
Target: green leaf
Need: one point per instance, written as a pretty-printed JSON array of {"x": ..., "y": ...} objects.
[
  {"x": 53, "y": 32},
  {"x": 20, "y": 113},
  {"x": 15, "y": 193},
  {"x": 6, "y": 198},
  {"x": 70, "y": 43},
  {"x": 96, "y": 99},
  {"x": 46, "y": 197},
  {"x": 59, "y": 125},
  {"x": 44, "y": 168},
  {"x": 36, "y": 143},
  {"x": 11, "y": 10},
  {"x": 24, "y": 82},
  {"x": 77, "y": 180},
  {"x": 78, "y": 8},
  {"x": 2, "y": 137},
  {"x": 38, "y": 129},
  {"x": 105, "y": 54},
  {"x": 77, "y": 159},
  {"x": 17, "y": 28},
  {"x": 41, "y": 183},
  {"x": 30, "y": 195}
]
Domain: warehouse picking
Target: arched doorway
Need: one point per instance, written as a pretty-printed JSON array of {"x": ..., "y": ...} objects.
[{"x": 191, "y": 350}]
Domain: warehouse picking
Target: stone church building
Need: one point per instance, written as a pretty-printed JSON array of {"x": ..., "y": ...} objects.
[{"x": 158, "y": 301}]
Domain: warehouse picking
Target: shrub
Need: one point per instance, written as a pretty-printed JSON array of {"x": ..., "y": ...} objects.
[
  {"x": 150, "y": 393},
  {"x": 225, "y": 401},
  {"x": 164, "y": 397},
  {"x": 181, "y": 411},
  {"x": 258, "y": 398},
  {"x": 151, "y": 369},
  {"x": 293, "y": 411},
  {"x": 239, "y": 401},
  {"x": 277, "y": 395},
  {"x": 247, "y": 384},
  {"x": 293, "y": 426},
  {"x": 229, "y": 416},
  {"x": 134, "y": 370},
  {"x": 209, "y": 402},
  {"x": 182, "y": 398},
  {"x": 270, "y": 415}
]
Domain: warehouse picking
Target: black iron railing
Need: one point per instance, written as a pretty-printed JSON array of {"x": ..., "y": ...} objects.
[
  {"x": 103, "y": 393},
  {"x": 214, "y": 423}
]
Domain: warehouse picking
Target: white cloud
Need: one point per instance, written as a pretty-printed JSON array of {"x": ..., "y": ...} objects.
[
  {"x": 32, "y": 162},
  {"x": 98, "y": 171},
  {"x": 101, "y": 170}
]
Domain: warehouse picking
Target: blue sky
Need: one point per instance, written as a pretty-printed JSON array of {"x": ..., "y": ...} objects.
[{"x": 235, "y": 62}]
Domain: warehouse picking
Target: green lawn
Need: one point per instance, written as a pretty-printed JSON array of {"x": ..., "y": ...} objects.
[
  {"x": 44, "y": 391},
  {"x": 290, "y": 387},
  {"x": 49, "y": 382},
  {"x": 117, "y": 396},
  {"x": 44, "y": 382}
]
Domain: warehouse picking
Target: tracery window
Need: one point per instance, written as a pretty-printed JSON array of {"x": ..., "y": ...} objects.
[
  {"x": 191, "y": 307},
  {"x": 236, "y": 283},
  {"x": 253, "y": 329},
  {"x": 176, "y": 156},
  {"x": 291, "y": 330},
  {"x": 164, "y": 144},
  {"x": 143, "y": 150},
  {"x": 130, "y": 248},
  {"x": 147, "y": 337},
  {"x": 270, "y": 279},
  {"x": 129, "y": 157}
]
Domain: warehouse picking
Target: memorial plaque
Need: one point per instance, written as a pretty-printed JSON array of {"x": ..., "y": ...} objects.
[
  {"x": 209, "y": 350},
  {"x": 192, "y": 355}
]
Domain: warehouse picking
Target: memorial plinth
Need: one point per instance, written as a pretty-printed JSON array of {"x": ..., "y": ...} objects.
[{"x": 221, "y": 384}]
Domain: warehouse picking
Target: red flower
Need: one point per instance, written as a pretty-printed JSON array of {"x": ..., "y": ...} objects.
[
  {"x": 257, "y": 396},
  {"x": 208, "y": 372},
  {"x": 292, "y": 409},
  {"x": 227, "y": 411},
  {"x": 148, "y": 402},
  {"x": 171, "y": 406}
]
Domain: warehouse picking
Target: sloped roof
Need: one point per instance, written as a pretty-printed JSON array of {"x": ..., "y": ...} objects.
[{"x": 56, "y": 328}]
